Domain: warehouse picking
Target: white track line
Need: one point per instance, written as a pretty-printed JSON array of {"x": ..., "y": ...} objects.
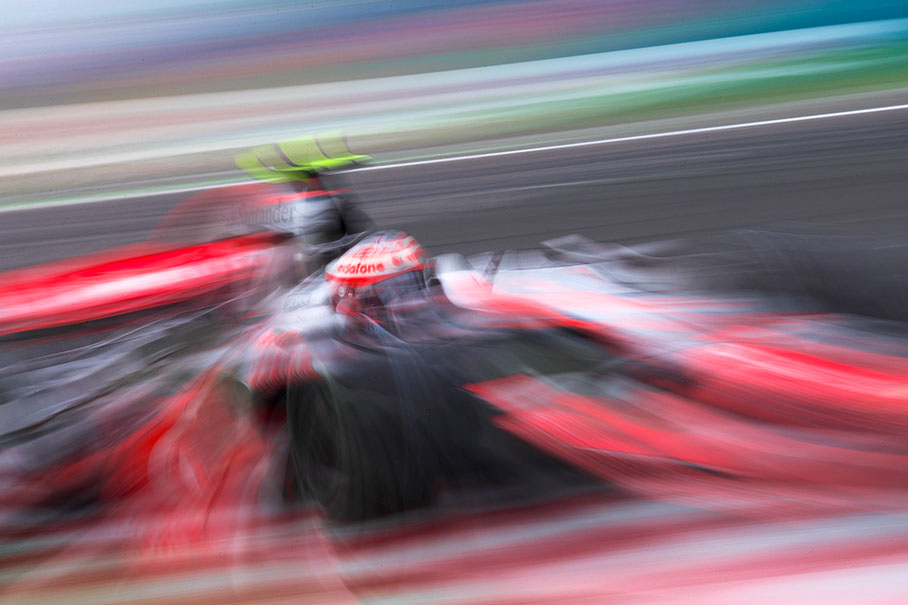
[
  {"x": 103, "y": 197},
  {"x": 638, "y": 137}
]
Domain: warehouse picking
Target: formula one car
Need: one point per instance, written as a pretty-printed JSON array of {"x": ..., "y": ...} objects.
[
  {"x": 96, "y": 351},
  {"x": 391, "y": 378},
  {"x": 215, "y": 247},
  {"x": 403, "y": 376}
]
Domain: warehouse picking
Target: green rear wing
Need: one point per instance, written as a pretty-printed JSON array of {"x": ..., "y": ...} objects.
[{"x": 298, "y": 159}]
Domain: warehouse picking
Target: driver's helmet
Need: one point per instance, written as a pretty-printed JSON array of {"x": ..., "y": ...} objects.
[{"x": 368, "y": 279}]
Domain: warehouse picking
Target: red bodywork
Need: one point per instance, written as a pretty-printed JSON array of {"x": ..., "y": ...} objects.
[
  {"x": 718, "y": 406},
  {"x": 756, "y": 414},
  {"x": 127, "y": 280},
  {"x": 207, "y": 244},
  {"x": 168, "y": 457},
  {"x": 734, "y": 395}
]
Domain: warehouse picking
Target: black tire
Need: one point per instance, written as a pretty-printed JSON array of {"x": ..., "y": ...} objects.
[{"x": 354, "y": 457}]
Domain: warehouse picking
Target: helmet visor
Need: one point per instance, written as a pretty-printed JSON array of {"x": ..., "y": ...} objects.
[{"x": 375, "y": 299}]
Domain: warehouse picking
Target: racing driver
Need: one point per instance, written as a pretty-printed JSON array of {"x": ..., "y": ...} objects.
[{"x": 377, "y": 412}]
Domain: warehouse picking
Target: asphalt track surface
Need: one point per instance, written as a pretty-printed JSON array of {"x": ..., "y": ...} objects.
[{"x": 847, "y": 173}]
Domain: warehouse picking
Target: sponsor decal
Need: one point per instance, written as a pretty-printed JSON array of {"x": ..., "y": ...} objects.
[
  {"x": 277, "y": 214},
  {"x": 379, "y": 256},
  {"x": 359, "y": 268}
]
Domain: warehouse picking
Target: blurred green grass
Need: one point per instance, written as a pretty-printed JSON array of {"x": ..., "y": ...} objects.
[{"x": 751, "y": 84}]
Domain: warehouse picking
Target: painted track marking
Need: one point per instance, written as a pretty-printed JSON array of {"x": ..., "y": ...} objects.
[{"x": 639, "y": 137}]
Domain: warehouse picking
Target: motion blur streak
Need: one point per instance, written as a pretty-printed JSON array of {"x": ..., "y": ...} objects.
[
  {"x": 705, "y": 477},
  {"x": 619, "y": 373},
  {"x": 196, "y": 98},
  {"x": 144, "y": 46}
]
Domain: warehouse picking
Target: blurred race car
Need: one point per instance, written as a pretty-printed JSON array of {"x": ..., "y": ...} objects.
[
  {"x": 403, "y": 375},
  {"x": 223, "y": 246},
  {"x": 390, "y": 379},
  {"x": 97, "y": 353}
]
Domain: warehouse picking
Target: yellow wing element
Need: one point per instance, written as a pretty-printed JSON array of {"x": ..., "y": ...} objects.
[{"x": 298, "y": 159}]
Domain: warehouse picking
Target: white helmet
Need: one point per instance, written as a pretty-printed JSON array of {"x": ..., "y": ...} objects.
[{"x": 374, "y": 273}]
